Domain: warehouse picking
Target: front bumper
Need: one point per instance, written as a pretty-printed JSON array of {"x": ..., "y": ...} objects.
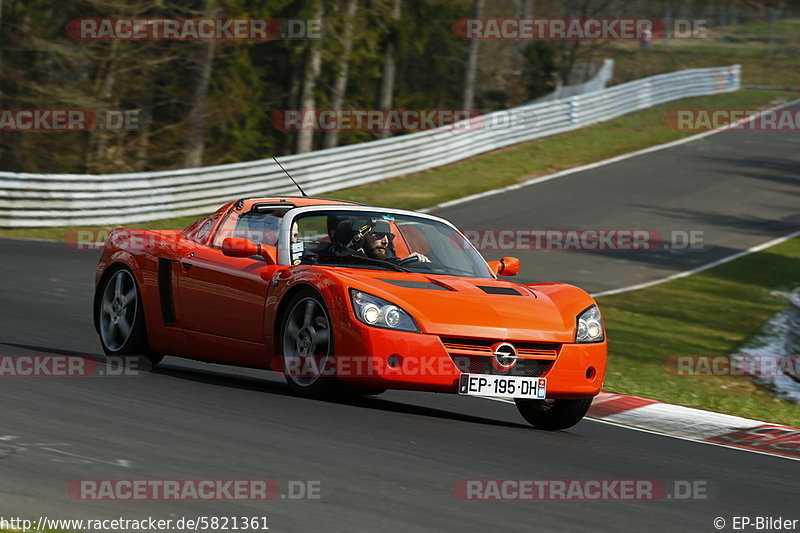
[{"x": 380, "y": 358}]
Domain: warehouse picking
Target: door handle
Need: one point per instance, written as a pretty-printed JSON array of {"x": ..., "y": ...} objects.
[{"x": 184, "y": 262}]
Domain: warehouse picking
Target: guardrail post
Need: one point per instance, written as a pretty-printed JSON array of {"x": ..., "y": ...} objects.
[
  {"x": 646, "y": 99},
  {"x": 734, "y": 77},
  {"x": 573, "y": 110}
]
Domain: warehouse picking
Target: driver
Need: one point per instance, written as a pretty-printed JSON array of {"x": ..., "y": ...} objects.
[{"x": 377, "y": 244}]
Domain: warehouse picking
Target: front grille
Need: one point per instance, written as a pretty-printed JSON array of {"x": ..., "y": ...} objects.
[
  {"x": 475, "y": 356},
  {"x": 475, "y": 364}
]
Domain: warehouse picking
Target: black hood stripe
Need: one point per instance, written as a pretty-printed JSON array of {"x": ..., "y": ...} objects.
[
  {"x": 411, "y": 284},
  {"x": 499, "y": 290}
]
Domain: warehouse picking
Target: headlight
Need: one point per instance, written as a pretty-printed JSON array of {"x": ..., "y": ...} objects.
[
  {"x": 374, "y": 311},
  {"x": 590, "y": 326}
]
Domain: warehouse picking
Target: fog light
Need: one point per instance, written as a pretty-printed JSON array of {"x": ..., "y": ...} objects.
[{"x": 591, "y": 372}]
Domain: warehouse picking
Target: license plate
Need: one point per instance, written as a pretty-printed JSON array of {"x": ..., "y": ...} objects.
[{"x": 502, "y": 386}]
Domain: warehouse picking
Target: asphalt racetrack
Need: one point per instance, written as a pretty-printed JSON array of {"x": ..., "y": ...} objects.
[{"x": 390, "y": 463}]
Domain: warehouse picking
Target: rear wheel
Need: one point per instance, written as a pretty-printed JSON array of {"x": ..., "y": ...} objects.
[
  {"x": 553, "y": 414},
  {"x": 306, "y": 344},
  {"x": 120, "y": 318}
]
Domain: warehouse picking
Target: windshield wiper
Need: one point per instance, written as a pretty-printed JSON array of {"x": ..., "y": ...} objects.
[{"x": 364, "y": 259}]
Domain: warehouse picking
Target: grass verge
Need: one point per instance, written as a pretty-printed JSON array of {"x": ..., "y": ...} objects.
[
  {"x": 509, "y": 165},
  {"x": 759, "y": 67},
  {"x": 749, "y": 44},
  {"x": 710, "y": 313}
]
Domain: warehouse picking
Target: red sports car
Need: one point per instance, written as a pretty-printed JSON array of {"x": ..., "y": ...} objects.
[{"x": 340, "y": 296}]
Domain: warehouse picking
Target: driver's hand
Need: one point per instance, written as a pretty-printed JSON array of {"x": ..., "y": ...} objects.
[{"x": 421, "y": 258}]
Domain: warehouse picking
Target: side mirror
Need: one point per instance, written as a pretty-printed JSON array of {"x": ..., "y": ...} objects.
[
  {"x": 239, "y": 247},
  {"x": 507, "y": 266}
]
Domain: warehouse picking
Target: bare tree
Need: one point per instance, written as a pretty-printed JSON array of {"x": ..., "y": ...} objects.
[
  {"x": 105, "y": 89},
  {"x": 525, "y": 11},
  {"x": 143, "y": 141},
  {"x": 196, "y": 121},
  {"x": 342, "y": 69},
  {"x": 389, "y": 71},
  {"x": 313, "y": 65},
  {"x": 1, "y": 48},
  {"x": 104, "y": 76},
  {"x": 472, "y": 61}
]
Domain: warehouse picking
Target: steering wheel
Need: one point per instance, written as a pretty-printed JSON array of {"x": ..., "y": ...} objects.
[{"x": 408, "y": 260}]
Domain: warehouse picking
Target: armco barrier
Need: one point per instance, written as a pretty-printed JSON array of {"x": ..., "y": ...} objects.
[
  {"x": 46, "y": 200},
  {"x": 597, "y": 83}
]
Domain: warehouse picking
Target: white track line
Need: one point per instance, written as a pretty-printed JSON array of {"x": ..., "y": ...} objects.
[{"x": 707, "y": 266}]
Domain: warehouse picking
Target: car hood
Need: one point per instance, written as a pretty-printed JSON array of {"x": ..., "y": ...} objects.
[{"x": 473, "y": 307}]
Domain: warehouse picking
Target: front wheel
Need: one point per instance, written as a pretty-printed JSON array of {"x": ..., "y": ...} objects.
[
  {"x": 306, "y": 344},
  {"x": 552, "y": 414},
  {"x": 120, "y": 318}
]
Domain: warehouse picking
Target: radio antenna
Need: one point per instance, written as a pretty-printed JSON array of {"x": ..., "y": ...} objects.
[{"x": 290, "y": 177}]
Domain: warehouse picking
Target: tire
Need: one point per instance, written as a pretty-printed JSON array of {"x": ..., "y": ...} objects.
[
  {"x": 120, "y": 318},
  {"x": 553, "y": 414},
  {"x": 306, "y": 346}
]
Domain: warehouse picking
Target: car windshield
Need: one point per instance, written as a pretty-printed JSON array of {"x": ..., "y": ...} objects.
[{"x": 385, "y": 241}]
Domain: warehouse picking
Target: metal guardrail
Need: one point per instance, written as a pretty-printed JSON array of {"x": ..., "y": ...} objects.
[
  {"x": 597, "y": 83},
  {"x": 49, "y": 200}
]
